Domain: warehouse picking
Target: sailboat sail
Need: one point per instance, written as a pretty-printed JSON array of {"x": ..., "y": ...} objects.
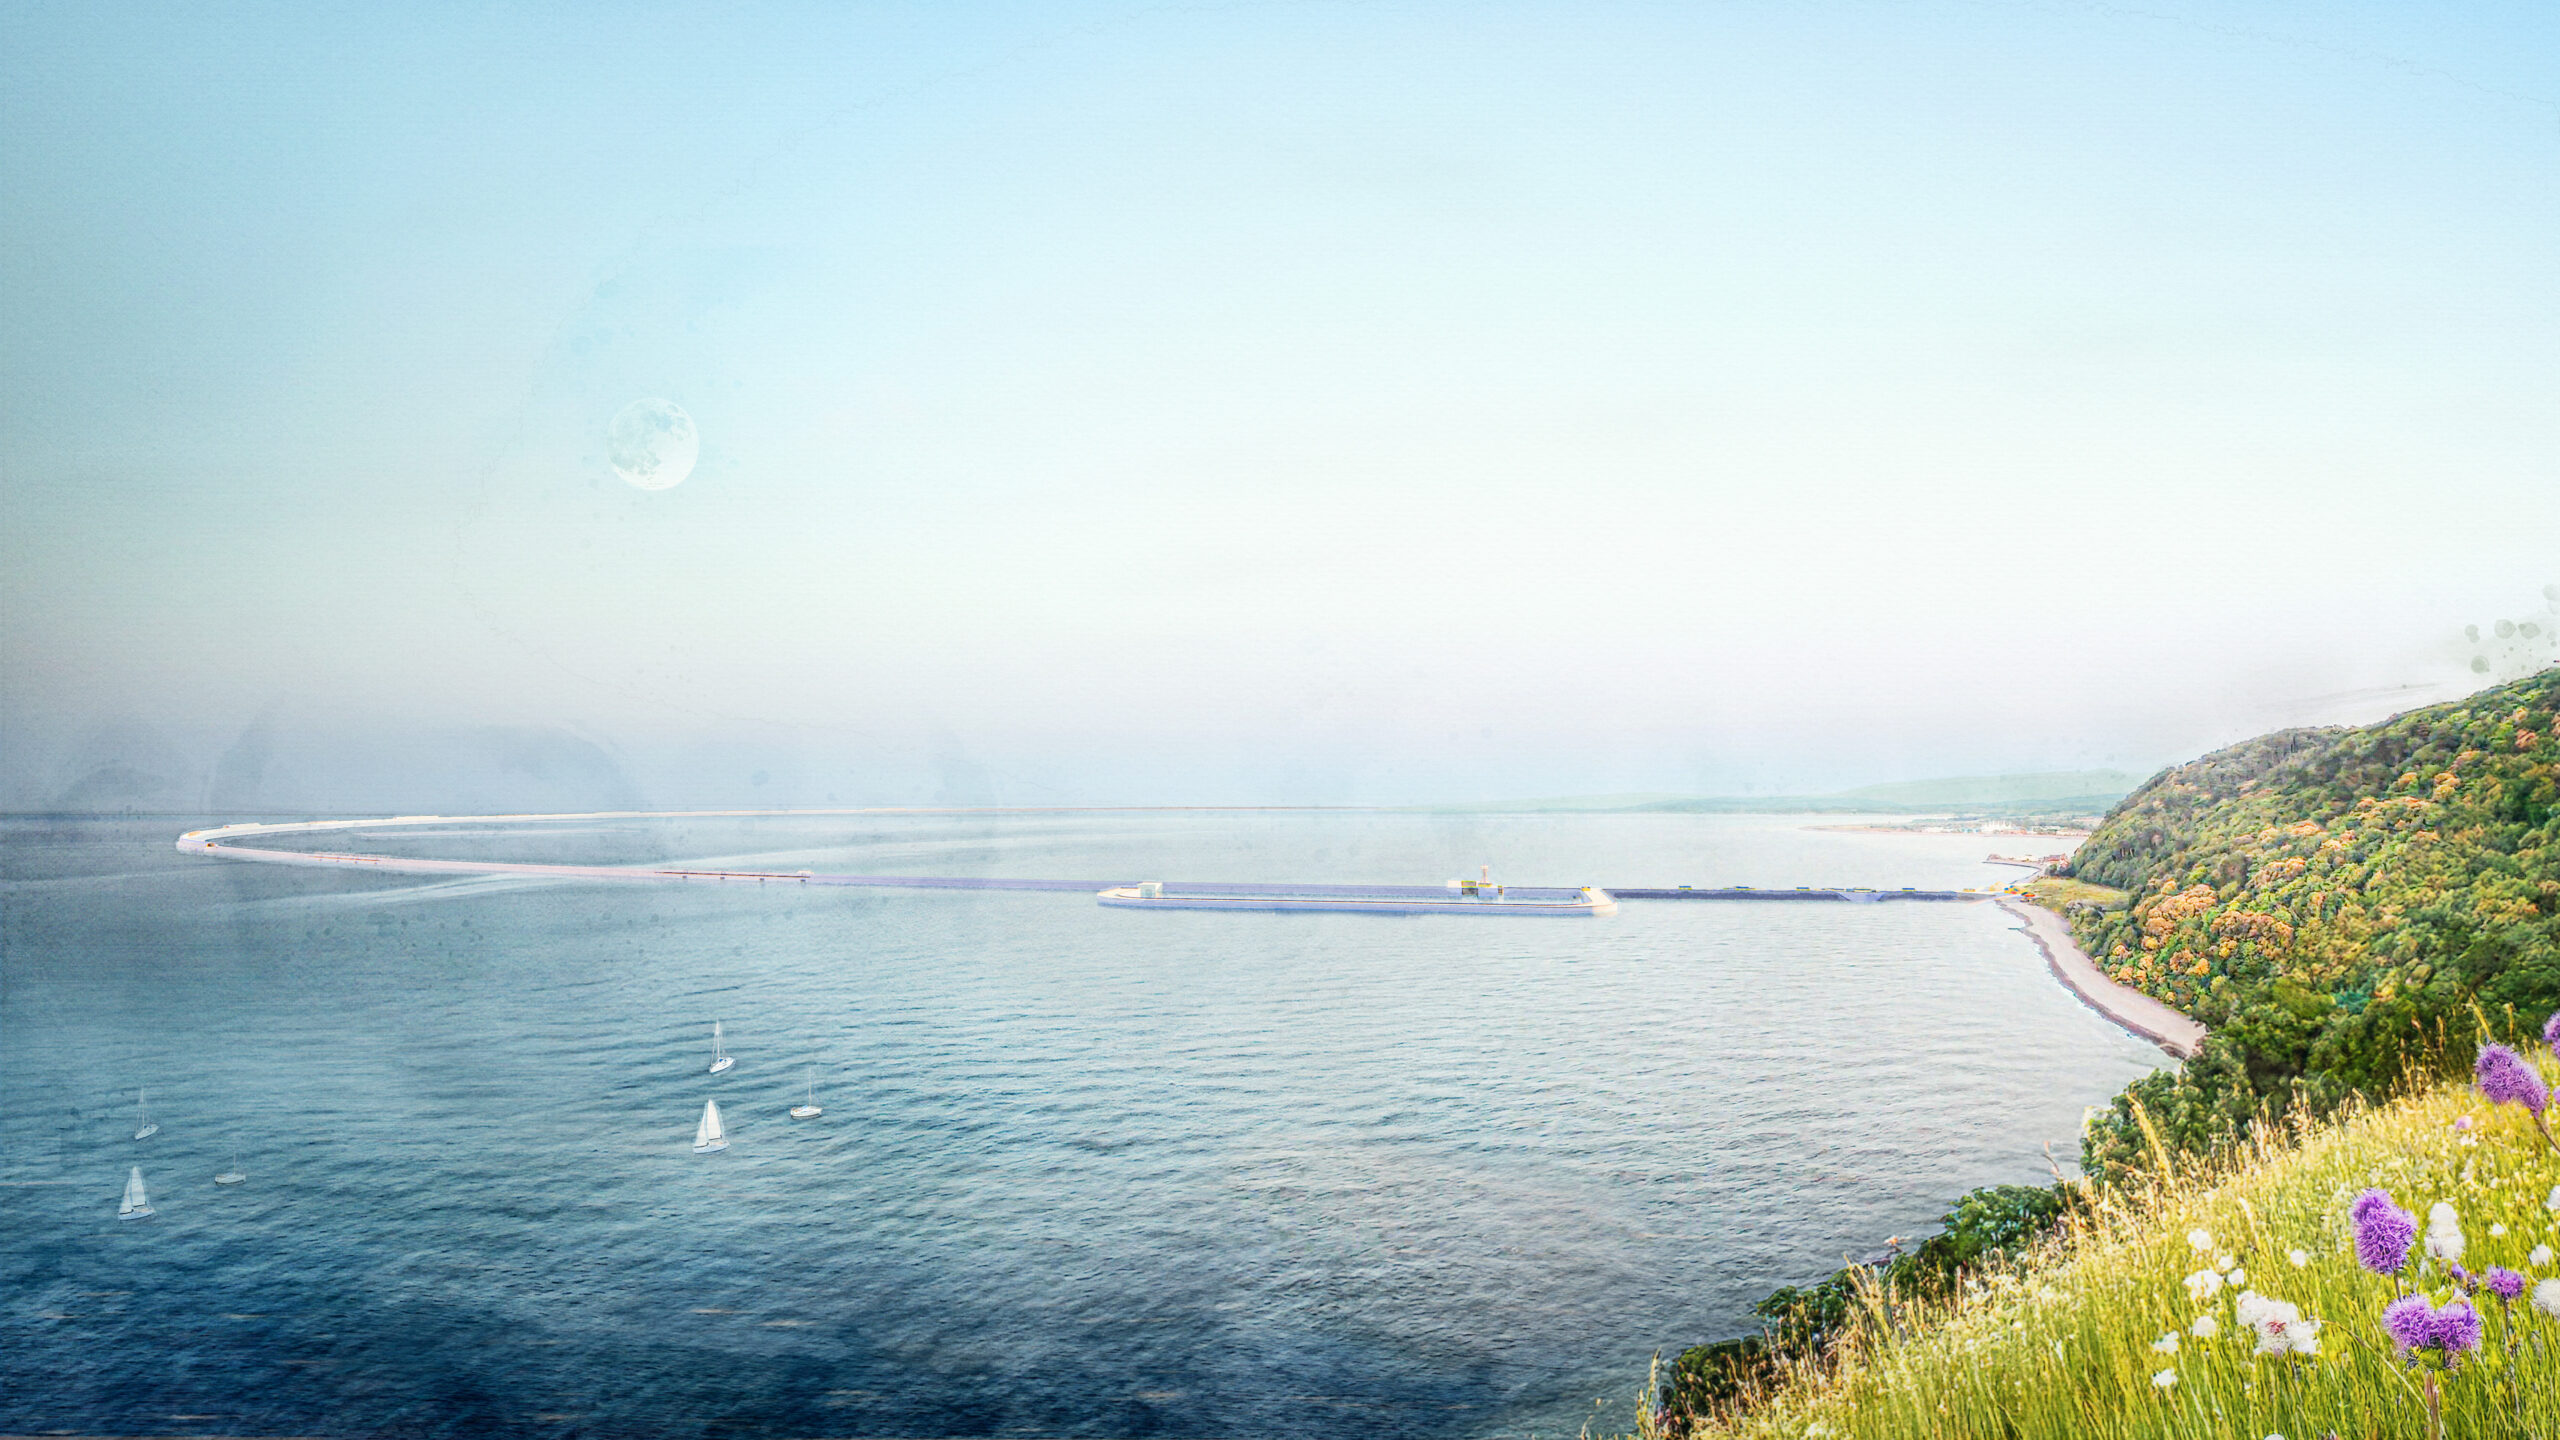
[
  {"x": 708, "y": 1136},
  {"x": 137, "y": 1201},
  {"x": 720, "y": 1059},
  {"x": 142, "y": 1106}
]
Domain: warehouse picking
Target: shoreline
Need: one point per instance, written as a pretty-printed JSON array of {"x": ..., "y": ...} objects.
[{"x": 2126, "y": 1007}]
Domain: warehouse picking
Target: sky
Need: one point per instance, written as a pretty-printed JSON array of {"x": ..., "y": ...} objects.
[{"x": 1256, "y": 403}]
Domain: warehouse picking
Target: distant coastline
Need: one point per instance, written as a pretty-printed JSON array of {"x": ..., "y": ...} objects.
[{"x": 2075, "y": 798}]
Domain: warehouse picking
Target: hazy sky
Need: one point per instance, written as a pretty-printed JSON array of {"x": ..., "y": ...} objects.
[{"x": 1259, "y": 401}]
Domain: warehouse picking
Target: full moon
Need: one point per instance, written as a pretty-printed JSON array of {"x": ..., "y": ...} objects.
[{"x": 652, "y": 444}]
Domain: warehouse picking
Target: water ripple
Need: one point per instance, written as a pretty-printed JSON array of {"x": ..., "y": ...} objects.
[{"x": 1081, "y": 1172}]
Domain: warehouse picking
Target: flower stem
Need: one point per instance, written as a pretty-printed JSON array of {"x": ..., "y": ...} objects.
[{"x": 2515, "y": 1383}]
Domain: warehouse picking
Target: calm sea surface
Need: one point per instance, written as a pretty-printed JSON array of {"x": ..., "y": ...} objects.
[{"x": 1082, "y": 1171}]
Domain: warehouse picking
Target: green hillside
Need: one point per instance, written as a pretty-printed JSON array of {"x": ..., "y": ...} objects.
[
  {"x": 2337, "y": 905},
  {"x": 2343, "y": 907}
]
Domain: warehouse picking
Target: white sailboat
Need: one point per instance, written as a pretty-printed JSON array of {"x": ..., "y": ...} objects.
[
  {"x": 721, "y": 1059},
  {"x": 708, "y": 1137},
  {"x": 148, "y": 1128},
  {"x": 813, "y": 1109},
  {"x": 235, "y": 1174},
  {"x": 137, "y": 1201}
]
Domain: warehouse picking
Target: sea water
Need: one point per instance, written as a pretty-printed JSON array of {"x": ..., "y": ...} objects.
[{"x": 1082, "y": 1171}]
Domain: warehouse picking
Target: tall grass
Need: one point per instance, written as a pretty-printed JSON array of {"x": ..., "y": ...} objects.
[{"x": 2062, "y": 1343}]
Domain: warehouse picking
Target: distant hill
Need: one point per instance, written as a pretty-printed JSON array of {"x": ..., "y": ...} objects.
[
  {"x": 2045, "y": 787},
  {"x": 2047, "y": 792}
]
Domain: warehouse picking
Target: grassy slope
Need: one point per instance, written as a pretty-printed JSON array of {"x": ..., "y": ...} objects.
[
  {"x": 2060, "y": 1345},
  {"x": 2059, "y": 893}
]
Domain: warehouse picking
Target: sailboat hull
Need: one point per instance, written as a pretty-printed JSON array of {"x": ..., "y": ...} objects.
[
  {"x": 710, "y": 1147},
  {"x": 145, "y": 1213},
  {"x": 723, "y": 1063},
  {"x": 807, "y": 1112},
  {"x": 146, "y": 1132},
  {"x": 229, "y": 1178}
]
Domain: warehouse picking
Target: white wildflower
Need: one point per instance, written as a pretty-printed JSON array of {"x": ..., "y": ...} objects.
[
  {"x": 2166, "y": 1344},
  {"x": 2202, "y": 1284},
  {"x": 2546, "y": 1298},
  {"x": 2444, "y": 1233},
  {"x": 2540, "y": 1257},
  {"x": 2496, "y": 1230},
  {"x": 2224, "y": 1262},
  {"x": 2278, "y": 1324},
  {"x": 2205, "y": 1328},
  {"x": 2237, "y": 1276},
  {"x": 2552, "y": 1203},
  {"x": 2165, "y": 1379},
  {"x": 2299, "y": 1258},
  {"x": 2202, "y": 1240}
]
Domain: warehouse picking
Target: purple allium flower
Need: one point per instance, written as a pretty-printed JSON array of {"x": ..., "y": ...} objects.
[
  {"x": 2506, "y": 1079},
  {"x": 2410, "y": 1322},
  {"x": 2457, "y": 1328},
  {"x": 2503, "y": 1282},
  {"x": 2384, "y": 1232},
  {"x": 2551, "y": 1032},
  {"x": 2462, "y": 1122}
]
